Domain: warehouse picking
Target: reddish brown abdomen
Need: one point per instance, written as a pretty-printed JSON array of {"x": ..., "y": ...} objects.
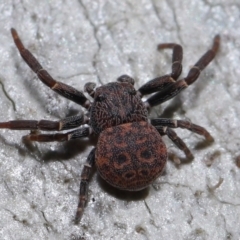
[{"x": 130, "y": 156}]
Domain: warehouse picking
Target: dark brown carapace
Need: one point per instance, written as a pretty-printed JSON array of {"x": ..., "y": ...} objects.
[{"x": 130, "y": 153}]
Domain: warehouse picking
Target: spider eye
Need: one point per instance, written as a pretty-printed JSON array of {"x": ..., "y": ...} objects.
[
  {"x": 100, "y": 98},
  {"x": 132, "y": 91}
]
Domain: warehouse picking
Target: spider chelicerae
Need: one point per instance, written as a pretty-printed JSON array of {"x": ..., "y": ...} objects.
[{"x": 130, "y": 153}]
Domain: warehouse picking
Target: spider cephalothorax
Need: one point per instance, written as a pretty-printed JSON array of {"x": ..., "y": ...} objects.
[
  {"x": 116, "y": 103},
  {"x": 130, "y": 153}
]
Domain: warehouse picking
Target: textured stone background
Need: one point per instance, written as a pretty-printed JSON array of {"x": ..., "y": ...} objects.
[{"x": 81, "y": 41}]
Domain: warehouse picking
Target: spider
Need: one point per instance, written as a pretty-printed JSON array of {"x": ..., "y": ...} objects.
[{"x": 130, "y": 153}]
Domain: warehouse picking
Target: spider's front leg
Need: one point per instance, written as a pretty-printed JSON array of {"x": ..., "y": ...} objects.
[
  {"x": 177, "y": 57},
  {"x": 46, "y": 125},
  {"x": 173, "y": 123},
  {"x": 162, "y": 82},
  {"x": 59, "y": 87},
  {"x": 175, "y": 139},
  {"x": 175, "y": 88}
]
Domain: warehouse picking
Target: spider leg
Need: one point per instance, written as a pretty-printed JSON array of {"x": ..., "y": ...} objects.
[
  {"x": 176, "y": 140},
  {"x": 159, "y": 83},
  {"x": 173, "y": 123},
  {"x": 45, "y": 125},
  {"x": 156, "y": 84},
  {"x": 177, "y": 57},
  {"x": 126, "y": 78},
  {"x": 59, "y": 137},
  {"x": 89, "y": 88},
  {"x": 192, "y": 76},
  {"x": 59, "y": 87},
  {"x": 83, "y": 193}
]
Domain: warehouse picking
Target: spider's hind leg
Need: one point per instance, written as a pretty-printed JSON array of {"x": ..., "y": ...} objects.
[
  {"x": 164, "y": 125},
  {"x": 83, "y": 193}
]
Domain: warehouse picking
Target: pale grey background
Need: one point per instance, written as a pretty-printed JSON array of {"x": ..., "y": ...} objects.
[{"x": 81, "y": 41}]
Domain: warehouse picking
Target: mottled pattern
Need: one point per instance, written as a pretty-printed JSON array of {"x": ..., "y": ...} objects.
[
  {"x": 130, "y": 156},
  {"x": 114, "y": 104}
]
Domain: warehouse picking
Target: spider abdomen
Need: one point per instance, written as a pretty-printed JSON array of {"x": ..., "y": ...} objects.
[{"x": 130, "y": 156}]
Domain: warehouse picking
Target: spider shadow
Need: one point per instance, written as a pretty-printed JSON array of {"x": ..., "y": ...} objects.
[
  {"x": 65, "y": 151},
  {"x": 203, "y": 144},
  {"x": 174, "y": 105},
  {"x": 122, "y": 194},
  {"x": 172, "y": 156}
]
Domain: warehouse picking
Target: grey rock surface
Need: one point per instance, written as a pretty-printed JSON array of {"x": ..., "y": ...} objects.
[{"x": 97, "y": 41}]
